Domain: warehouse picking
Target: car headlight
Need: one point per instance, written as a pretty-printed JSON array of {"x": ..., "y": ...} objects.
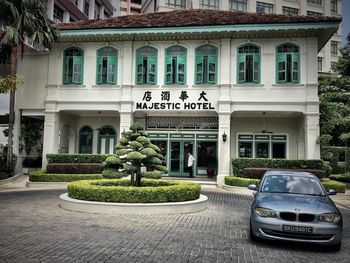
[
  {"x": 265, "y": 212},
  {"x": 330, "y": 217}
]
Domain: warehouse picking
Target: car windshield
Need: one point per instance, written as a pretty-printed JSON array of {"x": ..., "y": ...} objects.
[{"x": 290, "y": 184}]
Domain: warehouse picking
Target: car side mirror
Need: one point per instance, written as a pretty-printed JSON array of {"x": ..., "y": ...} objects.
[
  {"x": 253, "y": 187},
  {"x": 331, "y": 192}
]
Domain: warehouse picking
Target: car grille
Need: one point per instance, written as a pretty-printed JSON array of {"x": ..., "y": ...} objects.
[
  {"x": 288, "y": 216},
  {"x": 297, "y": 235}
]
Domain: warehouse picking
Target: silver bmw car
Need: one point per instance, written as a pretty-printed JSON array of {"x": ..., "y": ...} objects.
[{"x": 294, "y": 206}]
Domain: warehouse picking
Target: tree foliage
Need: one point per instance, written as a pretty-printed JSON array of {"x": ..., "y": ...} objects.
[
  {"x": 334, "y": 93},
  {"x": 135, "y": 156},
  {"x": 9, "y": 83}
]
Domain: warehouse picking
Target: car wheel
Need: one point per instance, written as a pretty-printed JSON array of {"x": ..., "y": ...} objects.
[{"x": 253, "y": 237}]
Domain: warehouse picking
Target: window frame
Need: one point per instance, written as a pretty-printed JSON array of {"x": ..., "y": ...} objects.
[
  {"x": 242, "y": 58},
  {"x": 266, "y": 6},
  {"x": 334, "y": 48},
  {"x": 253, "y": 139},
  {"x": 282, "y": 57},
  {"x": 176, "y": 4},
  {"x": 145, "y": 73},
  {"x": 210, "y": 59},
  {"x": 111, "y": 60},
  {"x": 76, "y": 60},
  {"x": 180, "y": 60},
  {"x": 236, "y": 4},
  {"x": 80, "y": 141},
  {"x": 290, "y": 11},
  {"x": 212, "y": 4}
]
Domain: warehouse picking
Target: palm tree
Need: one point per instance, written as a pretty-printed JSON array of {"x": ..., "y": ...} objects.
[{"x": 25, "y": 22}]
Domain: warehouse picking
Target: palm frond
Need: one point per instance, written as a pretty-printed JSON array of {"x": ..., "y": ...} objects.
[{"x": 11, "y": 6}]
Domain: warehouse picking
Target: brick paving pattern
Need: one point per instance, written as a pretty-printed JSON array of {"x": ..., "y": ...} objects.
[{"x": 34, "y": 229}]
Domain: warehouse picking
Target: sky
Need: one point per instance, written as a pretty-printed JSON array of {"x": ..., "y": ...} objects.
[{"x": 4, "y": 103}]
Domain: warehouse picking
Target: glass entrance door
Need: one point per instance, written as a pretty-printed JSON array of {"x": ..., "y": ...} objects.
[{"x": 178, "y": 157}]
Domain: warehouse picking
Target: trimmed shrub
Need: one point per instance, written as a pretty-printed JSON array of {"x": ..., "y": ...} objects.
[
  {"x": 341, "y": 177},
  {"x": 112, "y": 174},
  {"x": 76, "y": 158},
  {"x": 337, "y": 186},
  {"x": 152, "y": 175},
  {"x": 3, "y": 160},
  {"x": 74, "y": 168},
  {"x": 257, "y": 173},
  {"x": 239, "y": 164},
  {"x": 239, "y": 181},
  {"x": 121, "y": 191},
  {"x": 334, "y": 155},
  {"x": 41, "y": 176}
]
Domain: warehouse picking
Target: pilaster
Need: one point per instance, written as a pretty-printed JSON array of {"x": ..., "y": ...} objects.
[
  {"x": 224, "y": 147},
  {"x": 312, "y": 133},
  {"x": 51, "y": 128}
]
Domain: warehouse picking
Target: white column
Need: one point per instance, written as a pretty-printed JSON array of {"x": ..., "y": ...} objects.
[
  {"x": 224, "y": 157},
  {"x": 71, "y": 141},
  {"x": 102, "y": 12},
  {"x": 66, "y": 17},
  {"x": 278, "y": 7},
  {"x": 251, "y": 6},
  {"x": 312, "y": 133},
  {"x": 50, "y": 5},
  {"x": 95, "y": 141},
  {"x": 225, "y": 63},
  {"x": 81, "y": 5},
  {"x": 224, "y": 5},
  {"x": 126, "y": 119},
  {"x": 16, "y": 134},
  {"x": 51, "y": 127},
  {"x": 92, "y": 9}
]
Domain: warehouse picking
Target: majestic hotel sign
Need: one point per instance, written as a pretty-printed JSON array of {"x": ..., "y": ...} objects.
[{"x": 175, "y": 100}]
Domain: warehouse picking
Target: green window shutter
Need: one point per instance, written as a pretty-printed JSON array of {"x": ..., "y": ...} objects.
[
  {"x": 281, "y": 67},
  {"x": 199, "y": 70},
  {"x": 181, "y": 69},
  {"x": 65, "y": 70},
  {"x": 112, "y": 70},
  {"x": 168, "y": 70},
  {"x": 256, "y": 68},
  {"x": 151, "y": 70},
  {"x": 77, "y": 70},
  {"x": 99, "y": 70},
  {"x": 296, "y": 67},
  {"x": 139, "y": 70},
  {"x": 212, "y": 69},
  {"x": 241, "y": 68}
]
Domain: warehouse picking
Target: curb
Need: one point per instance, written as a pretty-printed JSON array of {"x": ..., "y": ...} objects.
[
  {"x": 237, "y": 189},
  {"x": 186, "y": 207},
  {"x": 48, "y": 185},
  {"x": 11, "y": 179}
]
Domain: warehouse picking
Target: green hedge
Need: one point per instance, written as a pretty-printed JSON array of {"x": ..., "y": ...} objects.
[
  {"x": 341, "y": 177},
  {"x": 74, "y": 168},
  {"x": 239, "y": 181},
  {"x": 76, "y": 158},
  {"x": 239, "y": 164},
  {"x": 337, "y": 186},
  {"x": 120, "y": 191},
  {"x": 41, "y": 176}
]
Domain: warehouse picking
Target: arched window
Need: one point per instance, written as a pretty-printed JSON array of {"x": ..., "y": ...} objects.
[
  {"x": 288, "y": 63},
  {"x": 248, "y": 64},
  {"x": 146, "y": 65},
  {"x": 106, "y": 140},
  {"x": 107, "y": 61},
  {"x": 175, "y": 65},
  {"x": 206, "y": 64},
  {"x": 73, "y": 61},
  {"x": 85, "y": 139}
]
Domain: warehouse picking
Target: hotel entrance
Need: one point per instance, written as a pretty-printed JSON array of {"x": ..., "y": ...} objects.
[{"x": 175, "y": 148}]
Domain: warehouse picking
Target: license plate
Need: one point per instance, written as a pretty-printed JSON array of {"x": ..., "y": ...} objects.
[{"x": 297, "y": 229}]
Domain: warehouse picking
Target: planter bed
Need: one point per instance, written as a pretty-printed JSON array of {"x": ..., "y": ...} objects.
[{"x": 116, "y": 196}]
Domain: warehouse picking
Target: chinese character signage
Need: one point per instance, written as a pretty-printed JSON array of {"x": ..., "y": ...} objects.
[{"x": 174, "y": 100}]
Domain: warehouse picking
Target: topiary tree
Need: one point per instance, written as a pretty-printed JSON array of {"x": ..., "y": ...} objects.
[{"x": 135, "y": 156}]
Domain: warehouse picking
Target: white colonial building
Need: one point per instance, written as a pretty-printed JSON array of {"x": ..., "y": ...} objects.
[{"x": 219, "y": 84}]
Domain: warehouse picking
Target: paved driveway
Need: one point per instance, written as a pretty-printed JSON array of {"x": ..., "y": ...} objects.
[{"x": 34, "y": 229}]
